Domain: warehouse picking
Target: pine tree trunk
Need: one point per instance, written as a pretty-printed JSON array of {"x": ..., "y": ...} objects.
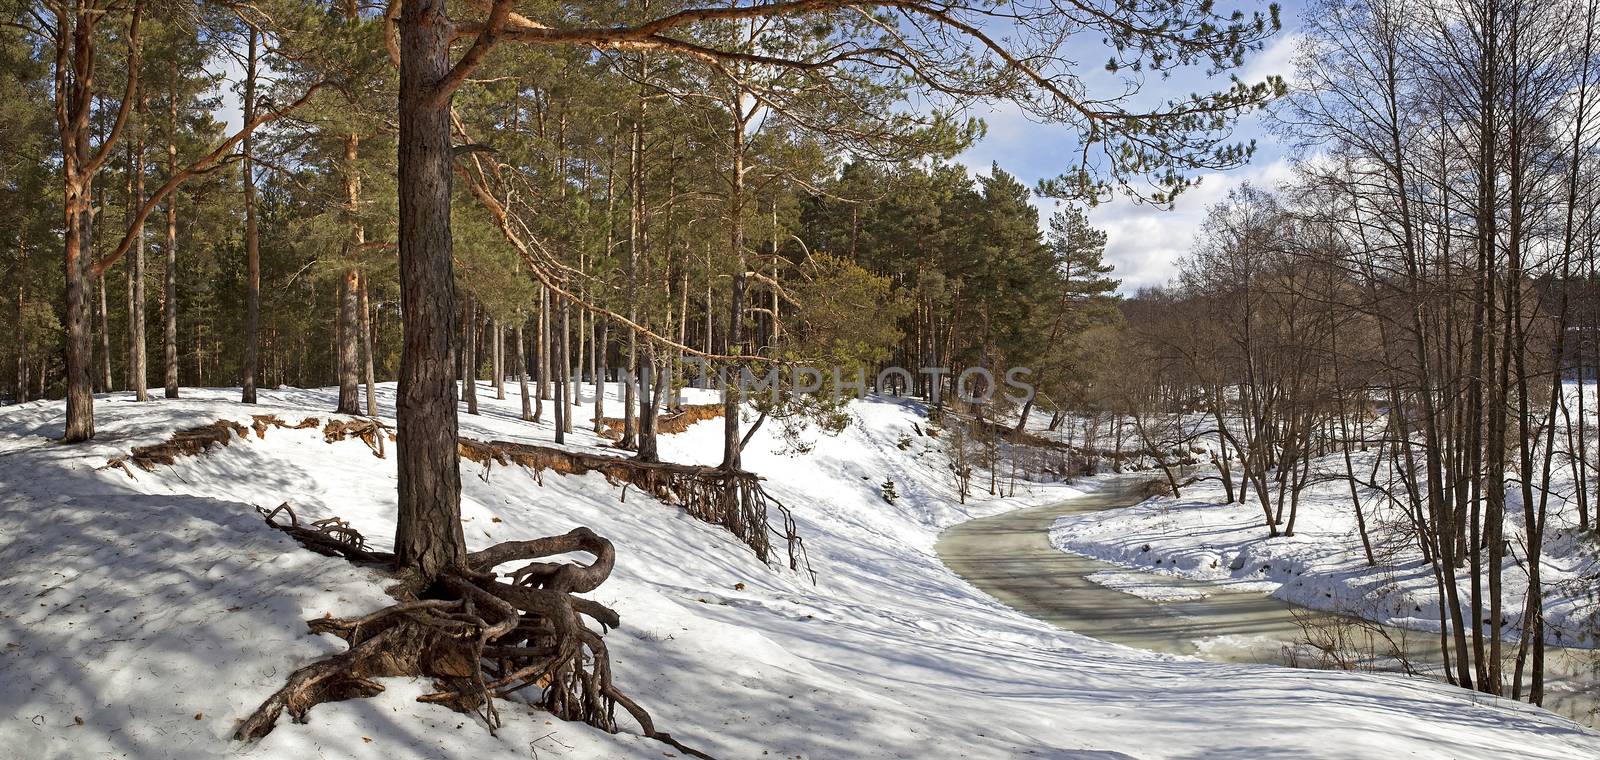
[
  {"x": 522, "y": 371},
  {"x": 498, "y": 332},
  {"x": 559, "y": 362},
  {"x": 566, "y": 366},
  {"x": 78, "y": 186},
  {"x": 80, "y": 390},
  {"x": 730, "y": 405},
  {"x": 348, "y": 332},
  {"x": 252, "y": 241},
  {"x": 602, "y": 347},
  {"x": 366, "y": 346},
  {"x": 710, "y": 311},
  {"x": 651, "y": 388},
  {"x": 577, "y": 367},
  {"x": 594, "y": 356},
  {"x": 544, "y": 349},
  {"x": 469, "y": 356},
  {"x": 630, "y": 385},
  {"x": 169, "y": 280},
  {"x": 104, "y": 328},
  {"x": 428, "y": 536},
  {"x": 138, "y": 363},
  {"x": 97, "y": 302},
  {"x": 19, "y": 334}
]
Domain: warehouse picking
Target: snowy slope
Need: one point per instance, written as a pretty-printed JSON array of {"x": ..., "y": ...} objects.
[{"x": 143, "y": 617}]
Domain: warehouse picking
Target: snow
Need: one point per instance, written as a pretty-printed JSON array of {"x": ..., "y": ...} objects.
[
  {"x": 1145, "y": 586},
  {"x": 1323, "y": 566},
  {"x": 142, "y": 617}
]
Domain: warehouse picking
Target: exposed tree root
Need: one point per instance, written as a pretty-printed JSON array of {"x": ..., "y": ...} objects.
[
  {"x": 188, "y": 442},
  {"x": 477, "y": 634},
  {"x": 330, "y": 536},
  {"x": 734, "y": 500},
  {"x": 673, "y": 422},
  {"x": 369, "y": 430},
  {"x": 263, "y": 421}
]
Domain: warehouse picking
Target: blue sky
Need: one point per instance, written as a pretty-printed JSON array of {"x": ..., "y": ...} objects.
[{"x": 1144, "y": 241}]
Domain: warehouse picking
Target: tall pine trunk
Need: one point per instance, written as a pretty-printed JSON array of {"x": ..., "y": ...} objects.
[
  {"x": 169, "y": 278},
  {"x": 630, "y": 385},
  {"x": 730, "y": 405},
  {"x": 349, "y": 296},
  {"x": 80, "y": 383},
  {"x": 469, "y": 356},
  {"x": 498, "y": 333},
  {"x": 252, "y": 241},
  {"x": 543, "y": 349},
  {"x": 428, "y": 536},
  {"x": 566, "y": 366},
  {"x": 19, "y": 335},
  {"x": 559, "y": 363},
  {"x": 522, "y": 371},
  {"x": 601, "y": 348},
  {"x": 138, "y": 366},
  {"x": 366, "y": 348},
  {"x": 104, "y": 327}
]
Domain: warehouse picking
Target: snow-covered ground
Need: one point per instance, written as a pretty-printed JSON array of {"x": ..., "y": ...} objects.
[
  {"x": 142, "y": 617},
  {"x": 1323, "y": 566}
]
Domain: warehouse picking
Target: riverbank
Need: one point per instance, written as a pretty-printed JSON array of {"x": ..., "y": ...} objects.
[{"x": 1226, "y": 593}]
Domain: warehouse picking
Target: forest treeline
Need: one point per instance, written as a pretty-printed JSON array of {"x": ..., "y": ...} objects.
[
  {"x": 275, "y": 264},
  {"x": 1415, "y": 303}
]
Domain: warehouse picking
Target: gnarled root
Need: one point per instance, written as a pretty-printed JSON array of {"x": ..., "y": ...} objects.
[
  {"x": 479, "y": 635},
  {"x": 261, "y": 422},
  {"x": 369, "y": 430},
  {"x": 187, "y": 442}
]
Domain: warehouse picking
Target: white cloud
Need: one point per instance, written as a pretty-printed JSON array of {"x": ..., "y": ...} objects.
[
  {"x": 1144, "y": 242},
  {"x": 1276, "y": 58}
]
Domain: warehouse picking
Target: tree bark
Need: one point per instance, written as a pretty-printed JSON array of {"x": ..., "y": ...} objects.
[
  {"x": 169, "y": 279},
  {"x": 542, "y": 349},
  {"x": 630, "y": 385},
  {"x": 428, "y": 535},
  {"x": 559, "y": 348},
  {"x": 19, "y": 333},
  {"x": 566, "y": 366},
  {"x": 73, "y": 103},
  {"x": 252, "y": 241},
  {"x": 73, "y": 80},
  {"x": 652, "y": 387},
  {"x": 348, "y": 335},
  {"x": 730, "y": 404},
  {"x": 522, "y": 371},
  {"x": 104, "y": 328},
  {"x": 496, "y": 330},
  {"x": 601, "y": 348},
  {"x": 469, "y": 356},
  {"x": 366, "y": 345}
]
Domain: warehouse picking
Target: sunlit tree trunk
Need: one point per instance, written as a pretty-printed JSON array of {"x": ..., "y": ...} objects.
[
  {"x": 428, "y": 535},
  {"x": 252, "y": 238}
]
